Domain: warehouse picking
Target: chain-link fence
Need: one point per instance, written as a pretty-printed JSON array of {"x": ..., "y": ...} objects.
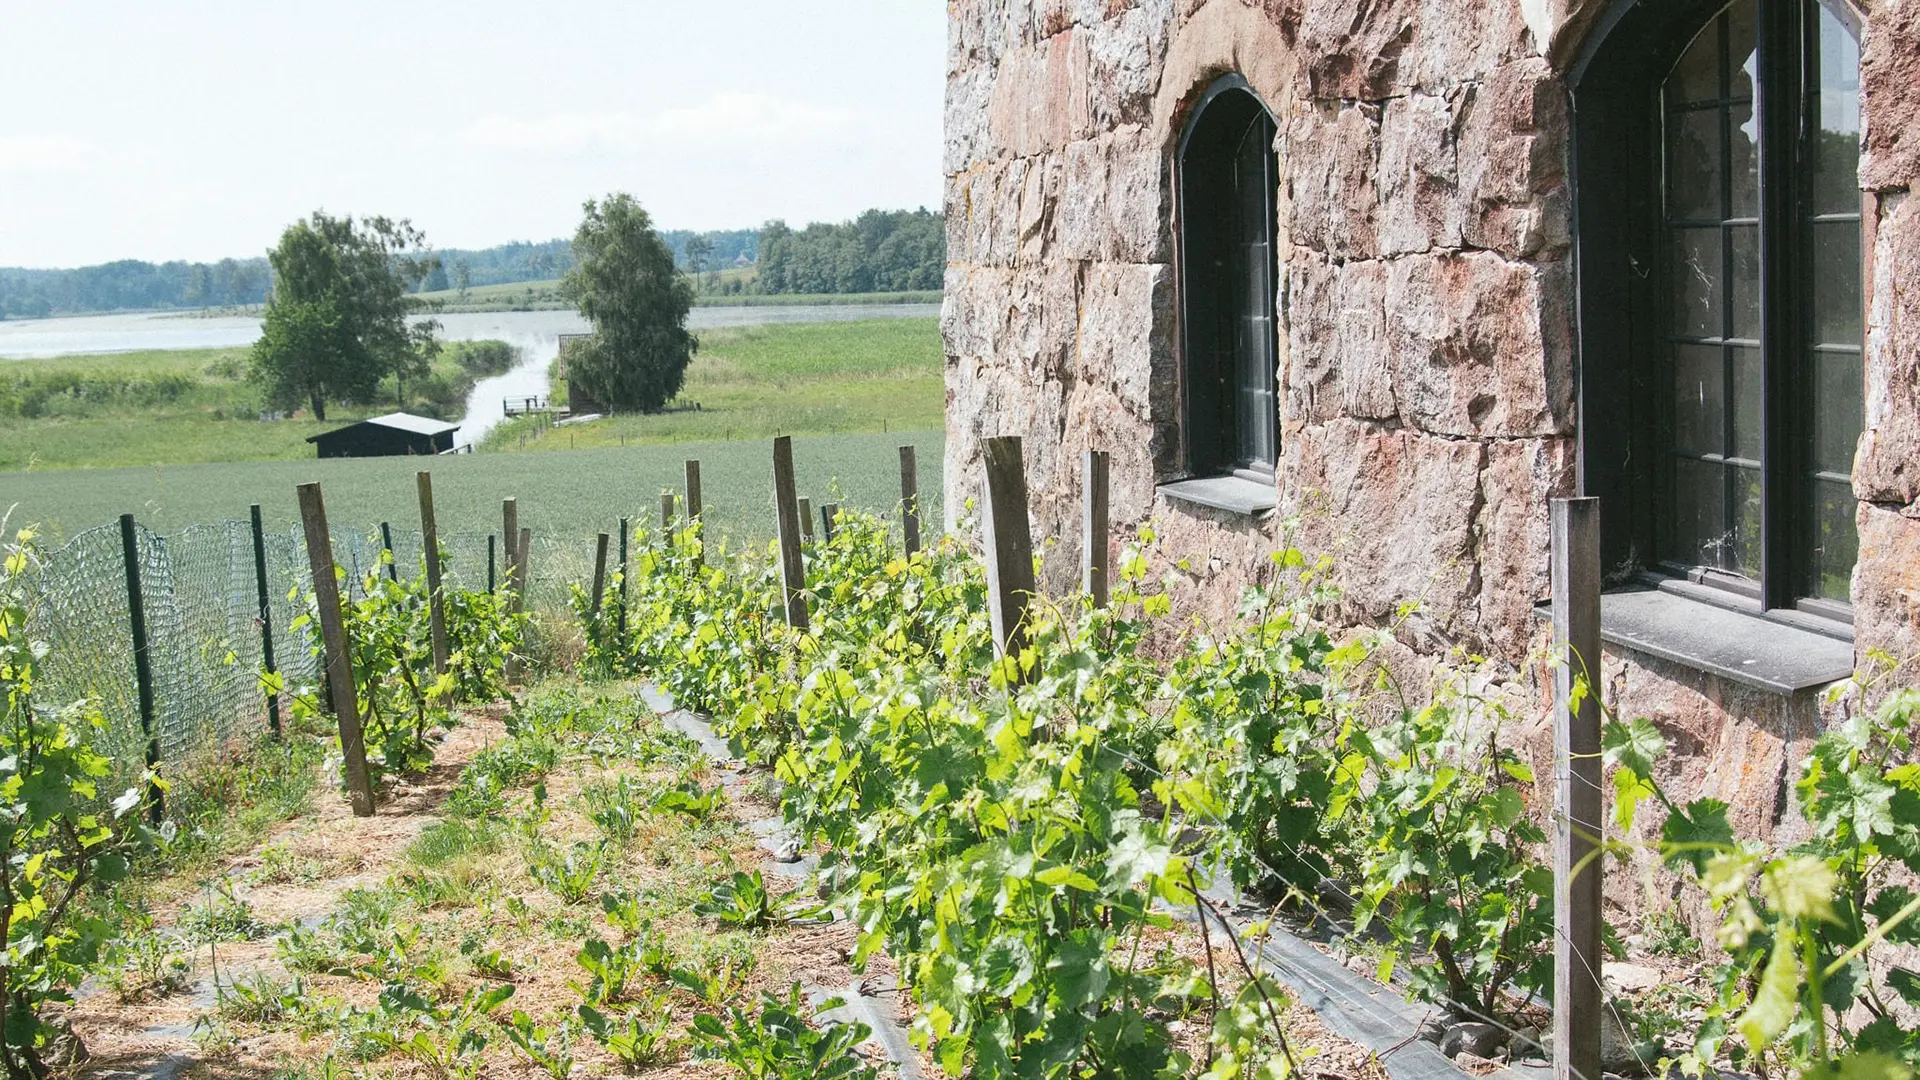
[{"x": 201, "y": 596}]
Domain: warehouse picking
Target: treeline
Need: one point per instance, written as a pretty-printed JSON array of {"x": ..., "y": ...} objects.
[
  {"x": 132, "y": 285},
  {"x": 880, "y": 251}
]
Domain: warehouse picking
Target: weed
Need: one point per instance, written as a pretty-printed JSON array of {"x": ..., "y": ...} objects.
[
  {"x": 154, "y": 964},
  {"x": 777, "y": 1042},
  {"x": 640, "y": 1036},
  {"x": 549, "y": 1048},
  {"x": 281, "y": 865},
  {"x": 222, "y": 917},
  {"x": 258, "y": 998},
  {"x": 569, "y": 875},
  {"x": 741, "y": 901},
  {"x": 690, "y": 799}
]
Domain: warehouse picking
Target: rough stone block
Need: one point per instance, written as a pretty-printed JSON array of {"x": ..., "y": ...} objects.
[
  {"x": 1886, "y": 584},
  {"x": 1419, "y": 175},
  {"x": 1332, "y": 159},
  {"x": 1481, "y": 345},
  {"x": 1338, "y": 364},
  {"x": 1887, "y": 469},
  {"x": 1513, "y": 536},
  {"x": 1125, "y": 335},
  {"x": 1352, "y": 49},
  {"x": 1396, "y": 511},
  {"x": 1890, "y": 88}
]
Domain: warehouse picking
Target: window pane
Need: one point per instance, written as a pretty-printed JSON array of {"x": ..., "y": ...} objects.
[
  {"x": 1835, "y": 282},
  {"x": 1745, "y": 418},
  {"x": 1835, "y": 542},
  {"x": 1700, "y": 400},
  {"x": 1835, "y": 184},
  {"x": 1744, "y": 240},
  {"x": 1743, "y": 37},
  {"x": 1700, "y": 503},
  {"x": 1838, "y": 386},
  {"x": 1743, "y": 554},
  {"x": 1696, "y": 77},
  {"x": 1693, "y": 166},
  {"x": 1696, "y": 282},
  {"x": 1743, "y": 143}
]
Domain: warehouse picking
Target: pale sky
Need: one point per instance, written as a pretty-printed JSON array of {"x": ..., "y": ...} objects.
[{"x": 198, "y": 129}]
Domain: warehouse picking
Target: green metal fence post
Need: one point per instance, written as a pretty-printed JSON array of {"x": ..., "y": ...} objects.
[
  {"x": 386, "y": 545},
  {"x": 267, "y": 665},
  {"x": 142, "y": 662}
]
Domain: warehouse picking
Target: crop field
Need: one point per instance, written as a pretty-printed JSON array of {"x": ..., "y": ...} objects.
[
  {"x": 869, "y": 375},
  {"x": 564, "y": 493},
  {"x": 545, "y": 296}
]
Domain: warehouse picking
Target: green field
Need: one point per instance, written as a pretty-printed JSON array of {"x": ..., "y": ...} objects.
[
  {"x": 173, "y": 407},
  {"x": 872, "y": 375},
  {"x": 564, "y": 494}
]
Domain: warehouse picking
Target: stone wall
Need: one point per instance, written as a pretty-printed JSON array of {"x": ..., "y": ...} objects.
[{"x": 1427, "y": 310}]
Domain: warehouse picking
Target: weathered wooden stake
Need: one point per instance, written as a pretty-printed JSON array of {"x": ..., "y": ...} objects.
[
  {"x": 1577, "y": 822},
  {"x": 909, "y": 499},
  {"x": 827, "y": 514},
  {"x": 523, "y": 576},
  {"x": 806, "y": 520},
  {"x": 599, "y": 572},
  {"x": 792, "y": 519},
  {"x": 620, "y": 617},
  {"x": 430, "y": 548},
  {"x": 666, "y": 517},
  {"x": 509, "y": 534},
  {"x": 1094, "y": 525},
  {"x": 142, "y": 661},
  {"x": 694, "y": 505},
  {"x": 386, "y": 545},
  {"x": 493, "y": 583},
  {"x": 326, "y": 594},
  {"x": 1008, "y": 540},
  {"x": 267, "y": 664}
]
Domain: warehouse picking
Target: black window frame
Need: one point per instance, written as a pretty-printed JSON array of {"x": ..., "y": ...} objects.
[
  {"x": 1625, "y": 419},
  {"x": 1217, "y": 423}
]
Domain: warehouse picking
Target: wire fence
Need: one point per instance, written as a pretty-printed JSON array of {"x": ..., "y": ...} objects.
[{"x": 202, "y": 600}]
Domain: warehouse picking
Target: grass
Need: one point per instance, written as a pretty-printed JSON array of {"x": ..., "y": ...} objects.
[
  {"x": 869, "y": 375},
  {"x": 172, "y": 407},
  {"x": 569, "y": 494}
]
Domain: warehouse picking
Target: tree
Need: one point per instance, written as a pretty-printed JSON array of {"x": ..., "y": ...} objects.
[
  {"x": 699, "y": 250},
  {"x": 625, "y": 283},
  {"x": 462, "y": 276},
  {"x": 337, "y": 320},
  {"x": 436, "y": 279}
]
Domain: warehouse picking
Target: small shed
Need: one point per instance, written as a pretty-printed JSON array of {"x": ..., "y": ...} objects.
[{"x": 393, "y": 435}]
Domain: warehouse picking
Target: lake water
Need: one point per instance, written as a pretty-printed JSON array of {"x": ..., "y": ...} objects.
[{"x": 535, "y": 333}]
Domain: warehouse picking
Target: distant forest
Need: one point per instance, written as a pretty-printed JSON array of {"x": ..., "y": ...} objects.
[{"x": 880, "y": 251}]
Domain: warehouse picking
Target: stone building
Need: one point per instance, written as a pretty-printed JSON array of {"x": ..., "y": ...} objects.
[{"x": 1385, "y": 276}]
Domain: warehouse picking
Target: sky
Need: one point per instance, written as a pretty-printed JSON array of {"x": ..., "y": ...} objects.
[{"x": 198, "y": 130}]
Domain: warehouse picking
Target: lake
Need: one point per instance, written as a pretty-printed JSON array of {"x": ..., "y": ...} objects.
[{"x": 535, "y": 333}]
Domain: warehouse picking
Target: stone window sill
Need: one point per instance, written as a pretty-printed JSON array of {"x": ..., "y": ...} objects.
[
  {"x": 1233, "y": 494},
  {"x": 1669, "y": 622}
]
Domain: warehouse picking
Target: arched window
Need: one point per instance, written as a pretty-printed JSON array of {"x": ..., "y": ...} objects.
[
  {"x": 1228, "y": 185},
  {"x": 1716, "y": 176}
]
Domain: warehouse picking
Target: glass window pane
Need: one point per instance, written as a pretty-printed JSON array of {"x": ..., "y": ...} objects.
[
  {"x": 1745, "y": 417},
  {"x": 1700, "y": 518},
  {"x": 1838, "y": 408},
  {"x": 1834, "y": 545},
  {"x": 1835, "y": 186},
  {"x": 1696, "y": 282},
  {"x": 1743, "y": 551},
  {"x": 1743, "y": 144},
  {"x": 1699, "y": 399},
  {"x": 1697, "y": 76},
  {"x": 1744, "y": 240},
  {"x": 1693, "y": 166},
  {"x": 1835, "y": 283},
  {"x": 1743, "y": 39}
]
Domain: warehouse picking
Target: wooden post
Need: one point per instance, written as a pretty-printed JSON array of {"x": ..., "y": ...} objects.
[
  {"x": 694, "y": 505},
  {"x": 1577, "y": 824},
  {"x": 666, "y": 517},
  {"x": 142, "y": 661},
  {"x": 599, "y": 573},
  {"x": 430, "y": 547},
  {"x": 909, "y": 499},
  {"x": 326, "y": 594},
  {"x": 827, "y": 514},
  {"x": 1094, "y": 525},
  {"x": 806, "y": 520},
  {"x": 792, "y": 518},
  {"x": 386, "y": 545},
  {"x": 524, "y": 573},
  {"x": 1008, "y": 541},
  {"x": 620, "y": 617},
  {"x": 509, "y": 534},
  {"x": 267, "y": 664},
  {"x": 493, "y": 584}
]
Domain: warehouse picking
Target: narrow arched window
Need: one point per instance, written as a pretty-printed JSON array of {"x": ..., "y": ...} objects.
[
  {"x": 1228, "y": 187},
  {"x": 1717, "y": 156}
]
